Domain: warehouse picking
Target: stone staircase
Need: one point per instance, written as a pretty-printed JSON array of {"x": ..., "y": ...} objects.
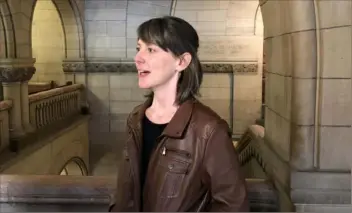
[{"x": 258, "y": 163}]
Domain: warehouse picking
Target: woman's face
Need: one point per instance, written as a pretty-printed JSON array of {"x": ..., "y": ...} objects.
[{"x": 156, "y": 67}]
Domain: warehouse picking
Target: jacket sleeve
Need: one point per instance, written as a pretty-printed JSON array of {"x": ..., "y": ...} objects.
[
  {"x": 223, "y": 174},
  {"x": 121, "y": 199}
]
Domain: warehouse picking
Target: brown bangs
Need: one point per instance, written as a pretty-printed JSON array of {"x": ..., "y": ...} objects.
[{"x": 153, "y": 32}]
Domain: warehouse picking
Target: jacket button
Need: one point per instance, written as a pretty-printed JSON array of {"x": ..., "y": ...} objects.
[{"x": 171, "y": 166}]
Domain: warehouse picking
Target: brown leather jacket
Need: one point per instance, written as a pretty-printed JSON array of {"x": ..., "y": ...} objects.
[{"x": 193, "y": 168}]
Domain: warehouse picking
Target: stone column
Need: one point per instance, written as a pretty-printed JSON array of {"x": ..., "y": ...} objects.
[
  {"x": 12, "y": 91},
  {"x": 12, "y": 73}
]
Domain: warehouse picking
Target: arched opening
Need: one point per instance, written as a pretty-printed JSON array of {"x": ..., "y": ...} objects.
[
  {"x": 60, "y": 21},
  {"x": 75, "y": 167},
  {"x": 7, "y": 46},
  {"x": 259, "y": 31},
  {"x": 48, "y": 43}
]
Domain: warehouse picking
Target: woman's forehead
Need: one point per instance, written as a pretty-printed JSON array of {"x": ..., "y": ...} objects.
[{"x": 141, "y": 42}]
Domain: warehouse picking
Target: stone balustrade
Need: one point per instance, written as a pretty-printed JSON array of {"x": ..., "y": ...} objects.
[
  {"x": 61, "y": 193},
  {"x": 53, "y": 105},
  {"x": 5, "y": 107}
]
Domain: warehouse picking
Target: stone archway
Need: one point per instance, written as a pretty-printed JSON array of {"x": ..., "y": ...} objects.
[
  {"x": 16, "y": 22},
  {"x": 71, "y": 20},
  {"x": 72, "y": 157},
  {"x": 75, "y": 166},
  {"x": 7, "y": 41},
  {"x": 61, "y": 21}
]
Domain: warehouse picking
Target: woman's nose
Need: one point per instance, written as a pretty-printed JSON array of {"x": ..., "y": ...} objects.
[{"x": 139, "y": 59}]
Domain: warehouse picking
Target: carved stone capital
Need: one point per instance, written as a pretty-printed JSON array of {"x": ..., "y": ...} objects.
[{"x": 16, "y": 74}]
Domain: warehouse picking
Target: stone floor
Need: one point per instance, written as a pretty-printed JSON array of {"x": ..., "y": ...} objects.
[
  {"x": 106, "y": 165},
  {"x": 104, "y": 160}
]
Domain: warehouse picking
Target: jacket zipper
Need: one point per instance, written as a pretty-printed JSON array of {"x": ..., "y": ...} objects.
[
  {"x": 164, "y": 151},
  {"x": 159, "y": 142},
  {"x": 155, "y": 151}
]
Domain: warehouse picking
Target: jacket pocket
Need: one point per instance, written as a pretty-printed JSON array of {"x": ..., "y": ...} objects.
[{"x": 175, "y": 173}]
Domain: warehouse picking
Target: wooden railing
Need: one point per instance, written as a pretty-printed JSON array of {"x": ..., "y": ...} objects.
[
  {"x": 5, "y": 107},
  {"x": 53, "y": 105},
  {"x": 90, "y": 193}
]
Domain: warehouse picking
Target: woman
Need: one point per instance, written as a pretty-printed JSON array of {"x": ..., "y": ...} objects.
[{"x": 179, "y": 154}]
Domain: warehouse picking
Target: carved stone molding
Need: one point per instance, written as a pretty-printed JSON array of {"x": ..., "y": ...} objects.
[
  {"x": 126, "y": 67},
  {"x": 98, "y": 67},
  {"x": 245, "y": 68},
  {"x": 73, "y": 67},
  {"x": 16, "y": 74},
  {"x": 217, "y": 68}
]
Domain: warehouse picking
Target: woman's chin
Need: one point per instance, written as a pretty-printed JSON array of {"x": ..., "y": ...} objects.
[{"x": 143, "y": 85}]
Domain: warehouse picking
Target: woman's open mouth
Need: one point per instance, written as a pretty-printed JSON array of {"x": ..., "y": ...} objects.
[{"x": 143, "y": 73}]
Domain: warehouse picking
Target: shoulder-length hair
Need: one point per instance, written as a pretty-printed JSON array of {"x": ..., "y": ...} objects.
[{"x": 177, "y": 36}]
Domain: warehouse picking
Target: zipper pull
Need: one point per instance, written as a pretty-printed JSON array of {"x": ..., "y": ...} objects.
[{"x": 163, "y": 151}]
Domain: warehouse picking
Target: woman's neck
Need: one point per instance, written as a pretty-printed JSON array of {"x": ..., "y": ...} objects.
[
  {"x": 163, "y": 101},
  {"x": 163, "y": 106}
]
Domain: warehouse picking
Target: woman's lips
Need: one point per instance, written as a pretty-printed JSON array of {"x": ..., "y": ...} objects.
[{"x": 143, "y": 73}]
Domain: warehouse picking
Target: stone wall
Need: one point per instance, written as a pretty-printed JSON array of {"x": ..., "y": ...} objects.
[
  {"x": 308, "y": 97},
  {"x": 111, "y": 25},
  {"x": 113, "y": 93},
  {"x": 335, "y": 85},
  {"x": 292, "y": 90},
  {"x": 229, "y": 33},
  {"x": 50, "y": 154}
]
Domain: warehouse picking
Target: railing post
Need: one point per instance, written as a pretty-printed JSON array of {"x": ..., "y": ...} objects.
[
  {"x": 25, "y": 107},
  {"x": 50, "y": 106}
]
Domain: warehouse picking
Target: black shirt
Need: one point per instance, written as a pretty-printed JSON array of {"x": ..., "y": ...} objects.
[{"x": 151, "y": 132}]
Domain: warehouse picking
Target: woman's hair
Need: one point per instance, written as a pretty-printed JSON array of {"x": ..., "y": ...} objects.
[{"x": 177, "y": 36}]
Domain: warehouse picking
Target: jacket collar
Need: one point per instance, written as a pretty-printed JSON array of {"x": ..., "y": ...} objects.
[{"x": 176, "y": 126}]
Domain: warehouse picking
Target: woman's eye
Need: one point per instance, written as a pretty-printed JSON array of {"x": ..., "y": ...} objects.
[
  {"x": 151, "y": 50},
  {"x": 137, "y": 49}
]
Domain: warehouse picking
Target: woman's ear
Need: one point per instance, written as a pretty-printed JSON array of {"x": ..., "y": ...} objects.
[{"x": 183, "y": 62}]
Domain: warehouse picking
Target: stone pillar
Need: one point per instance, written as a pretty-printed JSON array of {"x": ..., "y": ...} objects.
[
  {"x": 12, "y": 91},
  {"x": 13, "y": 72}
]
